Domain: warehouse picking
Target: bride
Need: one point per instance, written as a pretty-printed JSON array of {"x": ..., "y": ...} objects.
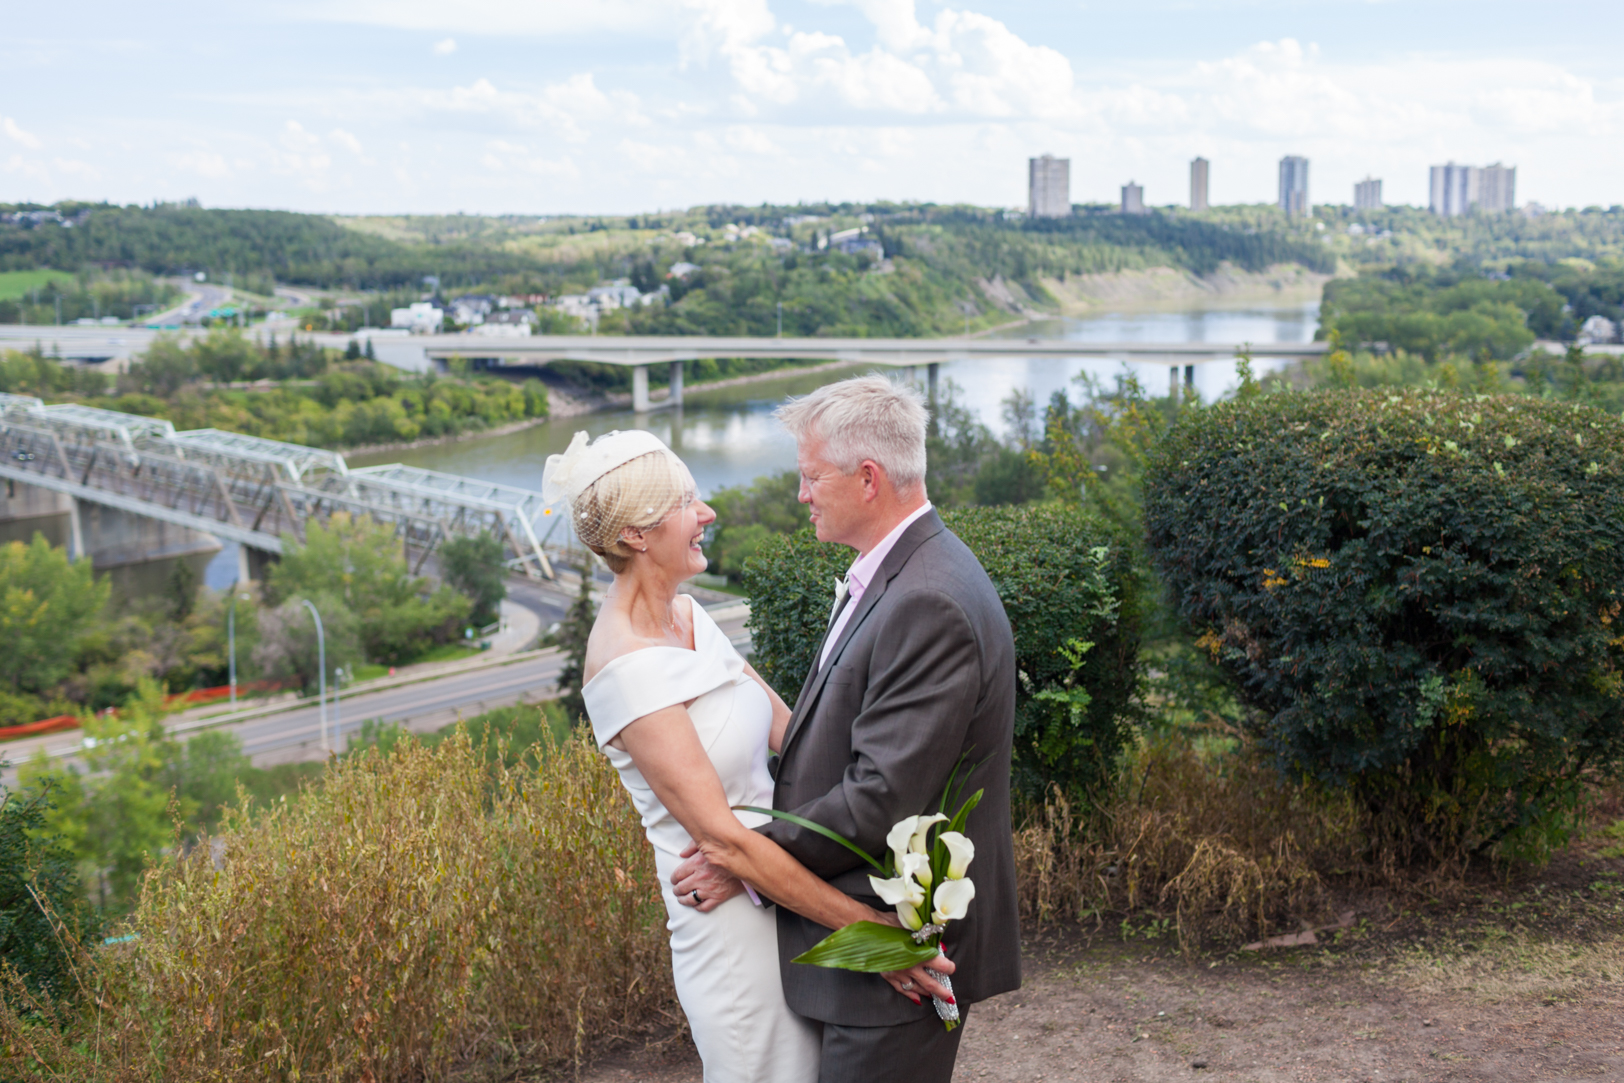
[{"x": 687, "y": 723}]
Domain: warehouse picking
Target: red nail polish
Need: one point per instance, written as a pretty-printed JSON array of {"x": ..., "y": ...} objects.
[{"x": 950, "y": 1000}]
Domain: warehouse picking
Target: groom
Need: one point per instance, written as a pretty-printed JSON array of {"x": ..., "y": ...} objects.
[{"x": 915, "y": 673}]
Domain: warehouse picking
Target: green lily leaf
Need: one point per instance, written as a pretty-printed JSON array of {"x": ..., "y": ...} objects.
[
  {"x": 869, "y": 947},
  {"x": 819, "y": 828}
]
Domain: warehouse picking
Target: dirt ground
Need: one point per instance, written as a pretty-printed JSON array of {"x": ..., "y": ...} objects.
[{"x": 1512, "y": 982}]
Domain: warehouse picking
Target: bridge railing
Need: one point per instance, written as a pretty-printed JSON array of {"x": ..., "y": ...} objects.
[{"x": 252, "y": 490}]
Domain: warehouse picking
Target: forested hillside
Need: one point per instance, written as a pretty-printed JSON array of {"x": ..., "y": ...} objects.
[{"x": 918, "y": 270}]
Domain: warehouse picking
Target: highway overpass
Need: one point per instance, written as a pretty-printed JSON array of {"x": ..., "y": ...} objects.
[{"x": 638, "y": 352}]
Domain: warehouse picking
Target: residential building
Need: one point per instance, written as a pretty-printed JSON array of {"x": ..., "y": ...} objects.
[
  {"x": 421, "y": 318},
  {"x": 1198, "y": 185},
  {"x": 1294, "y": 185},
  {"x": 1049, "y": 187},
  {"x": 1457, "y": 189},
  {"x": 1597, "y": 329},
  {"x": 1133, "y": 198},
  {"x": 1497, "y": 189},
  {"x": 1367, "y": 195},
  {"x": 1452, "y": 189}
]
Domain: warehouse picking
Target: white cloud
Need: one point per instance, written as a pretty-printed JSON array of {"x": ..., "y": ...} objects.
[
  {"x": 27, "y": 139},
  {"x": 445, "y": 47},
  {"x": 345, "y": 140}
]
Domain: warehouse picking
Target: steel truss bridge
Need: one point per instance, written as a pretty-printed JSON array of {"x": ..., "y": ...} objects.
[{"x": 251, "y": 490}]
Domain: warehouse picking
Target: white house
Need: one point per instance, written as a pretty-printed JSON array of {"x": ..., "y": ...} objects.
[
  {"x": 1597, "y": 329},
  {"x": 421, "y": 318}
]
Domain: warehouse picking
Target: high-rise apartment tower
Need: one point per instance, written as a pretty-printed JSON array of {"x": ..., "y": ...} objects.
[
  {"x": 1198, "y": 185},
  {"x": 1133, "y": 198},
  {"x": 1367, "y": 195},
  {"x": 1456, "y": 189},
  {"x": 1294, "y": 185},
  {"x": 1049, "y": 187},
  {"x": 1497, "y": 188}
]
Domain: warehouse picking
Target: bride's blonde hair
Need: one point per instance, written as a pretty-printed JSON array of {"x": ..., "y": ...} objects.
[{"x": 639, "y": 494}]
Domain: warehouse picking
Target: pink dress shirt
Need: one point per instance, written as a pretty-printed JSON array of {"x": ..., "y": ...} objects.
[{"x": 861, "y": 574}]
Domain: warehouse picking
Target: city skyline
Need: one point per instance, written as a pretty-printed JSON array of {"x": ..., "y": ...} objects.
[{"x": 630, "y": 105}]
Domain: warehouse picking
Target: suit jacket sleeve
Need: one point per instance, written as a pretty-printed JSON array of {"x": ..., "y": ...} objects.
[{"x": 923, "y": 681}]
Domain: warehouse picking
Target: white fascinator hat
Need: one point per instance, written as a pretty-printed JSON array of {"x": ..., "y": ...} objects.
[{"x": 640, "y": 499}]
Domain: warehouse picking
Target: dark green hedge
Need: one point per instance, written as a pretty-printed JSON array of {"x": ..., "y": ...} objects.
[
  {"x": 1067, "y": 583},
  {"x": 1417, "y": 592}
]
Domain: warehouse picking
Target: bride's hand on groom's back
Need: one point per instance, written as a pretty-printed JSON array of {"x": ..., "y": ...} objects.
[{"x": 699, "y": 883}]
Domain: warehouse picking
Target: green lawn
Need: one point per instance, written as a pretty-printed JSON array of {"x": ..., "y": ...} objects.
[{"x": 15, "y": 284}]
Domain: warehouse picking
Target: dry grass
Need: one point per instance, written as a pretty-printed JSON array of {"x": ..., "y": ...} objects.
[
  {"x": 1212, "y": 845},
  {"x": 419, "y": 913}
]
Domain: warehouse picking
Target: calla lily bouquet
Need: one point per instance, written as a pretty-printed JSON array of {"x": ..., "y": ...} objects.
[{"x": 923, "y": 877}]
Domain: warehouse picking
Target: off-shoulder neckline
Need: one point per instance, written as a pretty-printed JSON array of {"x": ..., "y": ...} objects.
[{"x": 694, "y": 610}]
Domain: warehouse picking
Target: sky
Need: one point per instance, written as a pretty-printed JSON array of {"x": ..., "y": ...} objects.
[{"x": 625, "y": 106}]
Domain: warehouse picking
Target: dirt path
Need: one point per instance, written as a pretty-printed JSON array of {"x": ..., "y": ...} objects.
[{"x": 1521, "y": 986}]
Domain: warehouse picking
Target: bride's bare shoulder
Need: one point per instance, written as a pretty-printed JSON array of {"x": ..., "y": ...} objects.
[{"x": 612, "y": 636}]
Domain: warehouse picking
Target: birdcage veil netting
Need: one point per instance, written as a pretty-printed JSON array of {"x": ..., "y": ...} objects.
[{"x": 620, "y": 480}]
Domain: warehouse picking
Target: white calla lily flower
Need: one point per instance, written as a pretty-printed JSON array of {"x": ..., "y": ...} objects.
[
  {"x": 953, "y": 901},
  {"x": 960, "y": 852},
  {"x": 899, "y": 837},
  {"x": 922, "y": 828},
  {"x": 898, "y": 891},
  {"x": 909, "y": 915},
  {"x": 916, "y": 866}
]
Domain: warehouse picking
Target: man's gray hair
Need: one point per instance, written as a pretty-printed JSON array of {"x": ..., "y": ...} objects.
[{"x": 867, "y": 417}]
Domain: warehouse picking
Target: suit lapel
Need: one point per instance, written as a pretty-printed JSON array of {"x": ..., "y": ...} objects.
[{"x": 924, "y": 527}]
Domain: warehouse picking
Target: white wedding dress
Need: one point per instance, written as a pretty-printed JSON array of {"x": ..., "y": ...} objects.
[{"x": 726, "y": 961}]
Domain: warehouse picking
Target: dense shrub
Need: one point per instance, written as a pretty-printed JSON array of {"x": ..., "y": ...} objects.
[
  {"x": 1066, "y": 582},
  {"x": 1416, "y": 592},
  {"x": 420, "y": 909},
  {"x": 42, "y": 909}
]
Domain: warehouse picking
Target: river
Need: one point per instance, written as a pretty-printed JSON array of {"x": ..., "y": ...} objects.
[{"x": 727, "y": 436}]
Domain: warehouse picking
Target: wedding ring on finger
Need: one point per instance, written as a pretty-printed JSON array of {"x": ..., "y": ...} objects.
[
  {"x": 907, "y": 986},
  {"x": 695, "y": 894}
]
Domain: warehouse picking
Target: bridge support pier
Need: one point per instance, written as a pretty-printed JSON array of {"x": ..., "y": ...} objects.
[
  {"x": 676, "y": 384},
  {"x": 640, "y": 388},
  {"x": 933, "y": 372},
  {"x": 139, "y": 553}
]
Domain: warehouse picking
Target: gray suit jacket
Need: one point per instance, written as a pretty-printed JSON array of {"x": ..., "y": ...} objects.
[{"x": 923, "y": 674}]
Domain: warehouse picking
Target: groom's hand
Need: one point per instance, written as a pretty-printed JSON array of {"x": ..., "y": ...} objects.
[{"x": 696, "y": 874}]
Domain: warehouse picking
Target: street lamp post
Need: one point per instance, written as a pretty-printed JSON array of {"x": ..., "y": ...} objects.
[
  {"x": 231, "y": 644},
  {"x": 321, "y": 672}
]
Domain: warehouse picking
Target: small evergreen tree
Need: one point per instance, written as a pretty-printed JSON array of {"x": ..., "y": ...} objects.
[{"x": 572, "y": 636}]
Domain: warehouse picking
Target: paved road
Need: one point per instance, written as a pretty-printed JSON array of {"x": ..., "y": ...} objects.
[{"x": 295, "y": 735}]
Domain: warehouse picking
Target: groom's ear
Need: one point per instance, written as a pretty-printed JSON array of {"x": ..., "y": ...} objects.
[{"x": 872, "y": 476}]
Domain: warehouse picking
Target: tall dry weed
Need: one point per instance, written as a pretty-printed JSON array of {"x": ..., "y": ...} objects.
[
  {"x": 1217, "y": 845},
  {"x": 423, "y": 911}
]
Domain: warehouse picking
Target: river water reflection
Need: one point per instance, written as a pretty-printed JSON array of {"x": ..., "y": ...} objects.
[{"x": 728, "y": 436}]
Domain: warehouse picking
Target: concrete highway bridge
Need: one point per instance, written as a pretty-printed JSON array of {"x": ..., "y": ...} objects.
[
  {"x": 639, "y": 352},
  {"x": 133, "y": 490}
]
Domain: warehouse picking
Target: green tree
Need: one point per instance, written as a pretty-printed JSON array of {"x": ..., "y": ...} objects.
[
  {"x": 47, "y": 604},
  {"x": 43, "y": 911},
  {"x": 476, "y": 568},
  {"x": 746, "y": 515},
  {"x": 572, "y": 636},
  {"x": 358, "y": 566},
  {"x": 117, "y": 812}
]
